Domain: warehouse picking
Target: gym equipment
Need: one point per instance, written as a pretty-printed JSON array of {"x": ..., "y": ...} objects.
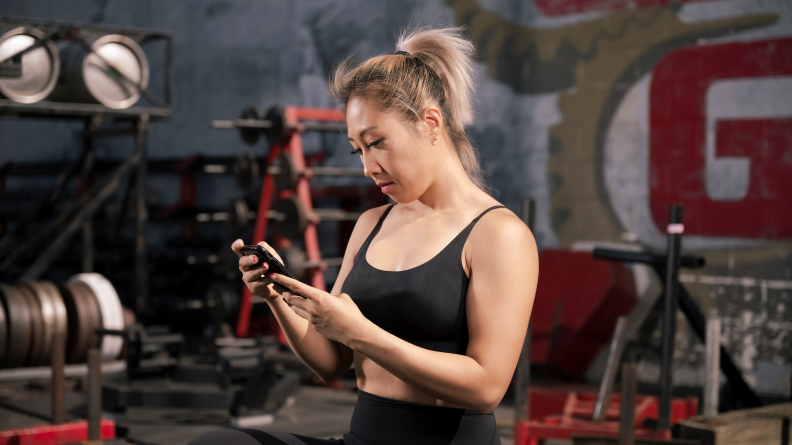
[
  {"x": 564, "y": 415},
  {"x": 37, "y": 67},
  {"x": 246, "y": 169},
  {"x": 18, "y": 315},
  {"x": 287, "y": 175},
  {"x": 83, "y": 70},
  {"x": 84, "y": 317},
  {"x": 275, "y": 125},
  {"x": 742, "y": 393},
  {"x": 283, "y": 127},
  {"x": 251, "y": 379},
  {"x": 574, "y": 319},
  {"x": 112, "y": 314},
  {"x": 112, "y": 71},
  {"x": 297, "y": 262},
  {"x": 53, "y": 314},
  {"x": 292, "y": 219}
]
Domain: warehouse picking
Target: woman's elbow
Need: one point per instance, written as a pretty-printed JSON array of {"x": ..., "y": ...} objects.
[{"x": 487, "y": 400}]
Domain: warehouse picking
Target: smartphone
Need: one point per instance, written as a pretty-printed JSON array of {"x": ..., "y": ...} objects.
[{"x": 264, "y": 255}]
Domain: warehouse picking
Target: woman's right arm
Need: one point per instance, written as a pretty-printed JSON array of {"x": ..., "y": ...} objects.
[{"x": 326, "y": 358}]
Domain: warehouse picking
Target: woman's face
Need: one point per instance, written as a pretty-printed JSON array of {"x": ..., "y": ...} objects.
[{"x": 397, "y": 155}]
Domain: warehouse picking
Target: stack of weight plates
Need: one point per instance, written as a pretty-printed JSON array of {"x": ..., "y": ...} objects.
[{"x": 31, "y": 312}]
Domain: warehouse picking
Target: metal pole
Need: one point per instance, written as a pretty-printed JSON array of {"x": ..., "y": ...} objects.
[
  {"x": 611, "y": 369},
  {"x": 674, "y": 231},
  {"x": 58, "y": 363},
  {"x": 94, "y": 394},
  {"x": 522, "y": 380},
  {"x": 85, "y": 177},
  {"x": 627, "y": 412},
  {"x": 712, "y": 368},
  {"x": 141, "y": 215}
]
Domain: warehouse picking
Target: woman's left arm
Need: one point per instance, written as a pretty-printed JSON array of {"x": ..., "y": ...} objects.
[{"x": 504, "y": 268}]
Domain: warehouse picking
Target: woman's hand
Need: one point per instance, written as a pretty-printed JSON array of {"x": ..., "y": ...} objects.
[
  {"x": 336, "y": 317},
  {"x": 255, "y": 275}
]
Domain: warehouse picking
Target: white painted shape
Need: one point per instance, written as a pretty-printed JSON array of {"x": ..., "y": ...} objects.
[
  {"x": 728, "y": 177},
  {"x": 626, "y": 168}
]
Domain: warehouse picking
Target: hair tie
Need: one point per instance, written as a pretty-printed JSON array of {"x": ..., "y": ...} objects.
[{"x": 401, "y": 53}]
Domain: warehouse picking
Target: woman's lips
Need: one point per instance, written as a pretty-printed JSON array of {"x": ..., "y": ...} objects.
[{"x": 385, "y": 187}]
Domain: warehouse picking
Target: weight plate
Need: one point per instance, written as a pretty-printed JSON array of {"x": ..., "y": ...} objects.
[
  {"x": 110, "y": 307},
  {"x": 288, "y": 176},
  {"x": 246, "y": 169},
  {"x": 221, "y": 302},
  {"x": 294, "y": 259},
  {"x": 3, "y": 330},
  {"x": 238, "y": 216},
  {"x": 40, "y": 67},
  {"x": 36, "y": 325},
  {"x": 19, "y": 330},
  {"x": 84, "y": 317},
  {"x": 277, "y": 132},
  {"x": 53, "y": 314},
  {"x": 251, "y": 135},
  {"x": 294, "y": 218}
]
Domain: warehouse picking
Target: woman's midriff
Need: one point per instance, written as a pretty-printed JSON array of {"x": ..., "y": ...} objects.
[{"x": 373, "y": 379}]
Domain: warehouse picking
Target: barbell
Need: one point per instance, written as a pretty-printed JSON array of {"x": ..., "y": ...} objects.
[
  {"x": 31, "y": 312},
  {"x": 289, "y": 216},
  {"x": 287, "y": 175},
  {"x": 252, "y": 123}
]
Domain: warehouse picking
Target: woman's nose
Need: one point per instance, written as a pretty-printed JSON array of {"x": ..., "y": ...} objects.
[{"x": 370, "y": 166}]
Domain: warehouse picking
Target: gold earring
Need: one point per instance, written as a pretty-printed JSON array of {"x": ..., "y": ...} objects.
[{"x": 435, "y": 140}]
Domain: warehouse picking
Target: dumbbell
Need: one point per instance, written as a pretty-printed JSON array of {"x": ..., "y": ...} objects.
[
  {"x": 287, "y": 176},
  {"x": 235, "y": 218},
  {"x": 298, "y": 264},
  {"x": 291, "y": 219},
  {"x": 252, "y": 122}
]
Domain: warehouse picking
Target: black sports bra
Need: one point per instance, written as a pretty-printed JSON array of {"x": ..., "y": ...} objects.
[{"x": 424, "y": 305}]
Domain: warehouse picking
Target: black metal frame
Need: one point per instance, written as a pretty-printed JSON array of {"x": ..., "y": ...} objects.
[{"x": 83, "y": 33}]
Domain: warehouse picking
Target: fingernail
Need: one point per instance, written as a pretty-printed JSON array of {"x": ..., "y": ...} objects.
[
  {"x": 265, "y": 266},
  {"x": 273, "y": 276},
  {"x": 254, "y": 258}
]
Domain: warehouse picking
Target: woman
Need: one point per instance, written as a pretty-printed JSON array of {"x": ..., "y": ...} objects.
[{"x": 434, "y": 294}]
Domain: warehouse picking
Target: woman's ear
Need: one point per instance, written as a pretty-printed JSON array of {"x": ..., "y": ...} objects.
[{"x": 433, "y": 120}]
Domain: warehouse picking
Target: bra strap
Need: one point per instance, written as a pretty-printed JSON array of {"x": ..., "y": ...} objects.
[{"x": 485, "y": 212}]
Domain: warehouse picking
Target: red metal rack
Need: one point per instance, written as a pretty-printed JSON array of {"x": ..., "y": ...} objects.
[{"x": 292, "y": 145}]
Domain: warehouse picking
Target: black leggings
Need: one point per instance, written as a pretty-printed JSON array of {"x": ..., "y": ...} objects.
[{"x": 380, "y": 421}]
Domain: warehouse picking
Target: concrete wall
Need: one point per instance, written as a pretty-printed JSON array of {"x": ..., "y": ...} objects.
[{"x": 604, "y": 111}]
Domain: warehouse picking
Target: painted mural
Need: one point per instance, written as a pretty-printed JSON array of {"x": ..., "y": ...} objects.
[{"x": 670, "y": 102}]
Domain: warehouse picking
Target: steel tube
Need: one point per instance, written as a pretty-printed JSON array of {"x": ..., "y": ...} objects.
[
  {"x": 141, "y": 216},
  {"x": 670, "y": 304},
  {"x": 94, "y": 393},
  {"x": 627, "y": 411},
  {"x": 58, "y": 386},
  {"x": 646, "y": 258}
]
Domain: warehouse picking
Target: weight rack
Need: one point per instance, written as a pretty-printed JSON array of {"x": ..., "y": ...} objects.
[
  {"x": 283, "y": 128},
  {"x": 99, "y": 121}
]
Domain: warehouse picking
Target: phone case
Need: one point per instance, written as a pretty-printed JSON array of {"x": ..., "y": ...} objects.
[{"x": 264, "y": 255}]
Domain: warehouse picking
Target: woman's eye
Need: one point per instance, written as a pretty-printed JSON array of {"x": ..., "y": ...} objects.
[
  {"x": 356, "y": 151},
  {"x": 374, "y": 144}
]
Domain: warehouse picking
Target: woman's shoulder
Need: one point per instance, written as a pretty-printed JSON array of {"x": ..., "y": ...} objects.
[{"x": 500, "y": 227}]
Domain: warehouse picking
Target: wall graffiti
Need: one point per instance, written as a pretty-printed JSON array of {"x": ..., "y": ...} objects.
[{"x": 656, "y": 109}]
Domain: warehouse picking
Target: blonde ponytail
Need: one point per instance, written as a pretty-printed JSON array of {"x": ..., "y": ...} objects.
[{"x": 436, "y": 69}]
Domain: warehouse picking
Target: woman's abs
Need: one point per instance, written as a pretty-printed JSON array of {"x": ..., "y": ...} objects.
[{"x": 373, "y": 379}]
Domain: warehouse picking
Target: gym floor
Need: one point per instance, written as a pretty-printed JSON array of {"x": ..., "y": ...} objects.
[{"x": 313, "y": 411}]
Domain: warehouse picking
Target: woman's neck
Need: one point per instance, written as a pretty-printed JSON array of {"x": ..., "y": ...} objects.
[{"x": 451, "y": 188}]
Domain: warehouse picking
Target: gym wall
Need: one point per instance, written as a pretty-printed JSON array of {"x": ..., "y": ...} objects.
[{"x": 604, "y": 111}]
